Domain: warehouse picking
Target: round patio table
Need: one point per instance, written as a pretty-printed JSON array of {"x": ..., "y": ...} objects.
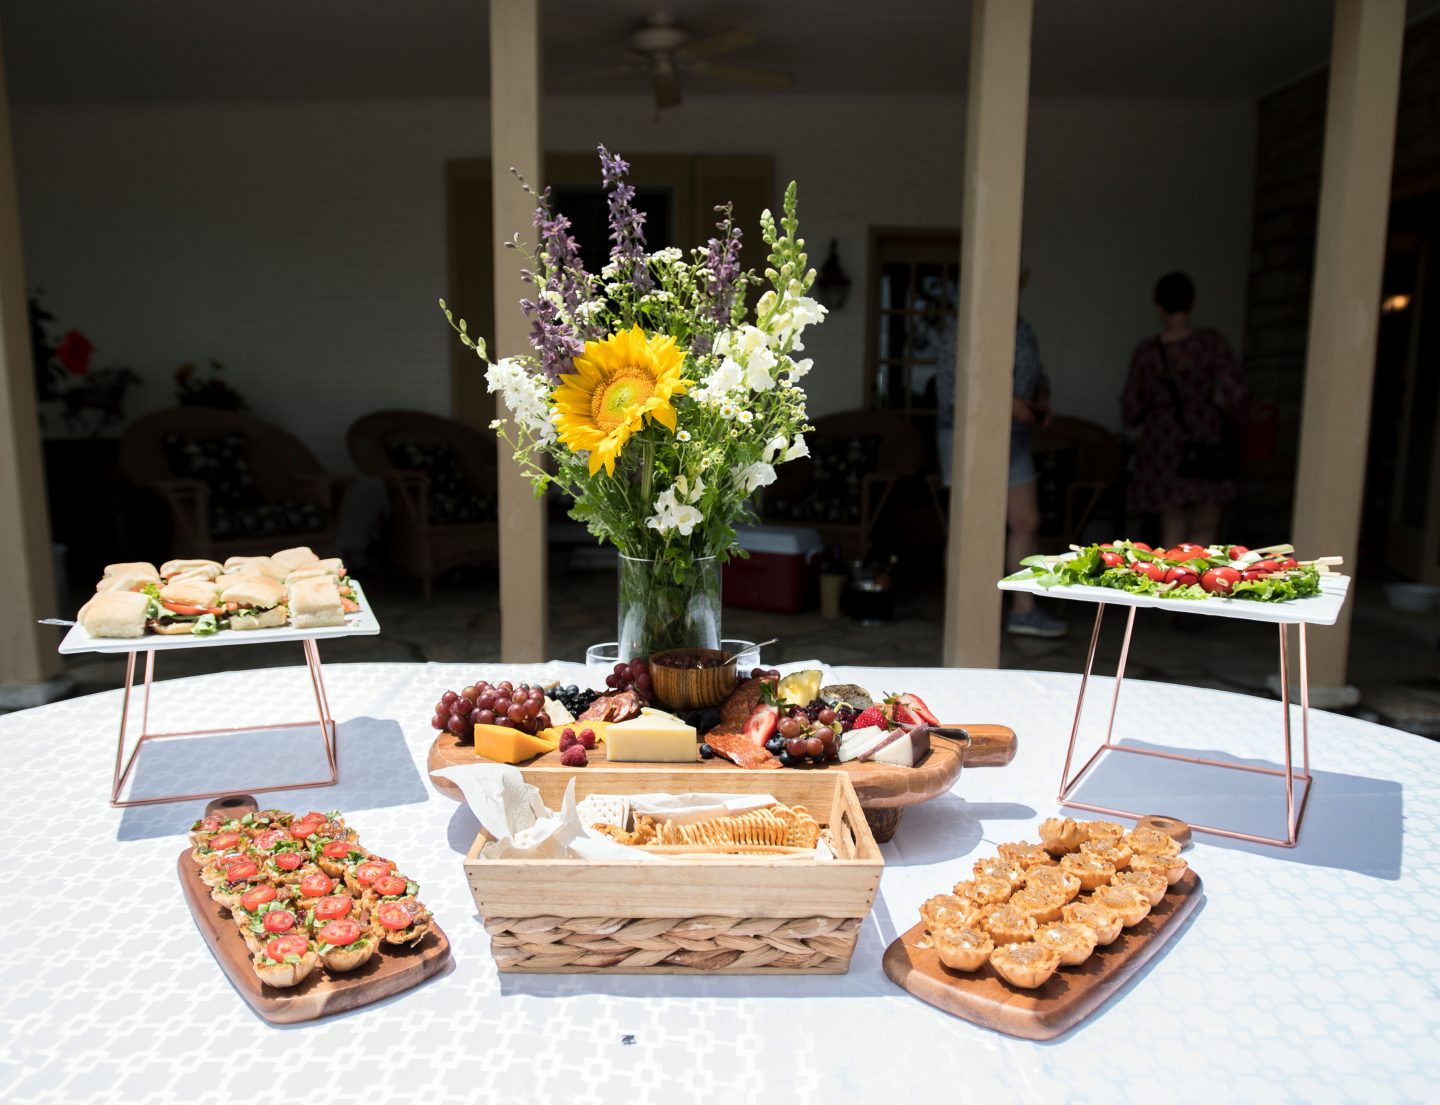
[{"x": 1306, "y": 974}]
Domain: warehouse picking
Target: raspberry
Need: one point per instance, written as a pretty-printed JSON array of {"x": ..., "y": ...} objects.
[
  {"x": 574, "y": 756},
  {"x": 587, "y": 737},
  {"x": 568, "y": 739}
]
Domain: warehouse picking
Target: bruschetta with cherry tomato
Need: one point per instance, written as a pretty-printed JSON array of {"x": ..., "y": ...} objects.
[
  {"x": 388, "y": 888},
  {"x": 345, "y": 944},
  {"x": 213, "y": 873},
  {"x": 268, "y": 920},
  {"x": 236, "y": 879},
  {"x": 286, "y": 960},
  {"x": 334, "y": 856},
  {"x": 289, "y": 866},
  {"x": 400, "y": 921},
  {"x": 313, "y": 887},
  {"x": 359, "y": 877},
  {"x": 335, "y": 907},
  {"x": 218, "y": 843}
]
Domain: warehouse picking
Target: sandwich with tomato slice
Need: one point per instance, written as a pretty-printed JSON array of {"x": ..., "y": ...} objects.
[
  {"x": 187, "y": 606},
  {"x": 254, "y": 565},
  {"x": 286, "y": 960},
  {"x": 254, "y": 603},
  {"x": 173, "y": 570}
]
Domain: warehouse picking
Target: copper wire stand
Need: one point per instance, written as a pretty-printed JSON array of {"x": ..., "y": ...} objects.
[
  {"x": 124, "y": 766},
  {"x": 1294, "y": 804}
]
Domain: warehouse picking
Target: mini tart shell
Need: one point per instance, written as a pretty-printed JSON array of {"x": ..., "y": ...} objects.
[
  {"x": 1025, "y": 855},
  {"x": 995, "y": 867},
  {"x": 1059, "y": 835},
  {"x": 1007, "y": 924},
  {"x": 1145, "y": 841},
  {"x": 1073, "y": 942},
  {"x": 963, "y": 949},
  {"x": 1054, "y": 878},
  {"x": 1148, "y": 883},
  {"x": 1103, "y": 921},
  {"x": 985, "y": 890},
  {"x": 282, "y": 975},
  {"x": 1132, "y": 906},
  {"x": 1104, "y": 830},
  {"x": 1025, "y": 965},
  {"x": 1091, "y": 870},
  {"x": 1172, "y": 867},
  {"x": 1039, "y": 903},
  {"x": 948, "y": 909},
  {"x": 1116, "y": 852},
  {"x": 351, "y": 956}
]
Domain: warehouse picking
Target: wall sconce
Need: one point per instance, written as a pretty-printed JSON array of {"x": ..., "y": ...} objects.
[{"x": 832, "y": 284}]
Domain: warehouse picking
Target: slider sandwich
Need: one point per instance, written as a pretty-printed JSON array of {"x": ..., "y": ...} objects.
[
  {"x": 125, "y": 582},
  {"x": 333, "y": 567},
  {"x": 140, "y": 568},
  {"x": 315, "y": 603},
  {"x": 258, "y": 603},
  {"x": 172, "y": 570},
  {"x": 115, "y": 614},
  {"x": 254, "y": 565},
  {"x": 187, "y": 606},
  {"x": 289, "y": 559}
]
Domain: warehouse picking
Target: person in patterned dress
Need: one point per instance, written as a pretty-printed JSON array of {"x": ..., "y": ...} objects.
[{"x": 1181, "y": 386}]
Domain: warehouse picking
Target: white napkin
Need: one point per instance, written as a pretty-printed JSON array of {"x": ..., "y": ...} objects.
[{"x": 685, "y": 809}]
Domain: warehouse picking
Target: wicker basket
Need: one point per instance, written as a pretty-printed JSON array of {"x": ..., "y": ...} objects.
[{"x": 712, "y": 914}]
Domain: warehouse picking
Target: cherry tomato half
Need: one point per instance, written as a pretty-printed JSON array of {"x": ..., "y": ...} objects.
[
  {"x": 388, "y": 886},
  {"x": 278, "y": 920},
  {"x": 1112, "y": 559},
  {"x": 287, "y": 861},
  {"x": 316, "y": 886},
  {"x": 282, "y": 946},
  {"x": 254, "y": 899},
  {"x": 393, "y": 915},
  {"x": 333, "y": 907},
  {"x": 1235, "y": 552},
  {"x": 341, "y": 932},
  {"x": 1141, "y": 546},
  {"x": 1151, "y": 568},
  {"x": 1220, "y": 581},
  {"x": 1182, "y": 576},
  {"x": 336, "y": 849}
]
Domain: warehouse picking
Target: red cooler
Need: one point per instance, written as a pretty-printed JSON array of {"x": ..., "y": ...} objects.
[{"x": 781, "y": 573}]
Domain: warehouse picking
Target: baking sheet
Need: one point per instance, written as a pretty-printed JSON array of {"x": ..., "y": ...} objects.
[
  {"x": 361, "y": 624},
  {"x": 1321, "y": 609}
]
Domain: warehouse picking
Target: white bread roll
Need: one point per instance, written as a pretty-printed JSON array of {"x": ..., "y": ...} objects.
[
  {"x": 173, "y": 568},
  {"x": 142, "y": 568},
  {"x": 289, "y": 559},
  {"x": 115, "y": 614},
  {"x": 315, "y": 603}
]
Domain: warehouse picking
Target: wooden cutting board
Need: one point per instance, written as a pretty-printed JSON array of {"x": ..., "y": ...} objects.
[
  {"x": 1071, "y": 995},
  {"x": 389, "y": 971},
  {"x": 884, "y": 789}
]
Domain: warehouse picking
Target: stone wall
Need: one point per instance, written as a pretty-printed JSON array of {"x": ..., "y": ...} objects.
[{"x": 1290, "y": 134}]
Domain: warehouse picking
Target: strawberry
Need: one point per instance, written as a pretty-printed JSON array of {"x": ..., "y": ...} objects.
[
  {"x": 909, "y": 709},
  {"x": 871, "y": 715},
  {"x": 760, "y": 725}
]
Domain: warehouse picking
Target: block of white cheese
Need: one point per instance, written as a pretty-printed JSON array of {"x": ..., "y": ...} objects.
[
  {"x": 557, "y": 713},
  {"x": 857, "y": 742},
  {"x": 653, "y": 737},
  {"x": 902, "y": 747}
]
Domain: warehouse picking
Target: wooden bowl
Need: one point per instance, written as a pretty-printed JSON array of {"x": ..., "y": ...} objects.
[{"x": 681, "y": 682}]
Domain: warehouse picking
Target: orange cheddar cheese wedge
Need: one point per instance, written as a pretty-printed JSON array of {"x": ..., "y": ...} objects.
[{"x": 508, "y": 746}]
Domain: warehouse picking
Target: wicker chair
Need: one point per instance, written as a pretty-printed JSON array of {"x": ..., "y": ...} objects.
[
  {"x": 868, "y": 453},
  {"x": 1082, "y": 465},
  {"x": 425, "y": 534},
  {"x": 265, "y": 490}
]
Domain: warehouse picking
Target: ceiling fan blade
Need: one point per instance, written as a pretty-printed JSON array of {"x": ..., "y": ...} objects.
[
  {"x": 667, "y": 89},
  {"x": 740, "y": 74},
  {"x": 721, "y": 42}
]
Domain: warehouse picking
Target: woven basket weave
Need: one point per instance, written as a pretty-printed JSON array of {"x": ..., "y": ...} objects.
[
  {"x": 696, "y": 943},
  {"x": 757, "y": 914}
]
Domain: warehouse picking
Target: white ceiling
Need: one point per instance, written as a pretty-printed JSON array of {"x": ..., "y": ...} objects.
[{"x": 59, "y": 51}]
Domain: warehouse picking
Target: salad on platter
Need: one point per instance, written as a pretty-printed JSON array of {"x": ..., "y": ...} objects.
[{"x": 1184, "y": 571}]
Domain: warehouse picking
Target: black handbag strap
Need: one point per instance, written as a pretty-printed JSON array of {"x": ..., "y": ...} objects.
[{"x": 1169, "y": 381}]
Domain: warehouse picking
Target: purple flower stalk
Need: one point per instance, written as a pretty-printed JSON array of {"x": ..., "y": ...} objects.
[
  {"x": 722, "y": 258},
  {"x": 627, "y": 226}
]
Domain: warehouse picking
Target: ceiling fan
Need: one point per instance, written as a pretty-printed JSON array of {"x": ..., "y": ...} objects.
[{"x": 666, "y": 51}]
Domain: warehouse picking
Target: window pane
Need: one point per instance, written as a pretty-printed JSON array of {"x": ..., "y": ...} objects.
[
  {"x": 925, "y": 333},
  {"x": 894, "y": 286}
]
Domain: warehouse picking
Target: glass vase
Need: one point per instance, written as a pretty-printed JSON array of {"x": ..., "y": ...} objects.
[{"x": 657, "y": 611}]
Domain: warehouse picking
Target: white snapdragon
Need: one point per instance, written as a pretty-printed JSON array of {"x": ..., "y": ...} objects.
[
  {"x": 759, "y": 369},
  {"x": 798, "y": 369},
  {"x": 754, "y": 476},
  {"x": 798, "y": 448},
  {"x": 671, "y": 514},
  {"x": 525, "y": 394}
]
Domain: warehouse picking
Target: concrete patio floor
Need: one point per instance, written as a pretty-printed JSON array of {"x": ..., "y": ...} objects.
[{"x": 1395, "y": 656}]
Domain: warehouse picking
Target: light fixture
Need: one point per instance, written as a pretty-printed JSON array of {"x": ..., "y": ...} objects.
[
  {"x": 1389, "y": 305},
  {"x": 832, "y": 284}
]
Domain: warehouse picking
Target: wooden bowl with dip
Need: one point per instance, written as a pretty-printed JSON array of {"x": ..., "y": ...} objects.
[{"x": 692, "y": 678}]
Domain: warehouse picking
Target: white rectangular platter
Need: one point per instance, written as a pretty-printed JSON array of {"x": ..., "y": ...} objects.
[
  {"x": 1321, "y": 609},
  {"x": 361, "y": 624}
]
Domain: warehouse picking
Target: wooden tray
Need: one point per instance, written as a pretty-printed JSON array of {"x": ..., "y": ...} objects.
[
  {"x": 389, "y": 971},
  {"x": 1067, "y": 999},
  {"x": 884, "y": 790}
]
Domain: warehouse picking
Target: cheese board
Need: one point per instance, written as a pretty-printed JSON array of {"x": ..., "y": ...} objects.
[
  {"x": 1063, "y": 1002},
  {"x": 884, "y": 790},
  {"x": 395, "y": 969}
]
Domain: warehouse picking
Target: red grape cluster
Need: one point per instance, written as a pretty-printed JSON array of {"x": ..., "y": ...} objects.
[
  {"x": 634, "y": 676},
  {"x": 521, "y": 707},
  {"x": 804, "y": 734}
]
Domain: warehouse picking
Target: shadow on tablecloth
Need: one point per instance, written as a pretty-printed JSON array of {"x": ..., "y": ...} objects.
[
  {"x": 1352, "y": 822},
  {"x": 376, "y": 770}
]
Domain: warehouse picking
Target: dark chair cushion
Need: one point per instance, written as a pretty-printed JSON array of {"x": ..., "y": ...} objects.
[
  {"x": 220, "y": 463},
  {"x": 450, "y": 499},
  {"x": 265, "y": 519},
  {"x": 839, "y": 469}
]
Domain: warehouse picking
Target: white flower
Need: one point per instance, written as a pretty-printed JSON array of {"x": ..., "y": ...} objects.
[
  {"x": 727, "y": 377},
  {"x": 758, "y": 370},
  {"x": 668, "y": 255},
  {"x": 587, "y": 310},
  {"x": 746, "y": 417},
  {"x": 496, "y": 423},
  {"x": 756, "y": 475},
  {"x": 728, "y": 410},
  {"x": 525, "y": 394},
  {"x": 773, "y": 448},
  {"x": 798, "y": 448},
  {"x": 672, "y": 515},
  {"x": 682, "y": 435},
  {"x": 800, "y": 368}
]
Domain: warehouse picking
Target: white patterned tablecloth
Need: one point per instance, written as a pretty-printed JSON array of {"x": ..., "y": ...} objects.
[{"x": 1307, "y": 975}]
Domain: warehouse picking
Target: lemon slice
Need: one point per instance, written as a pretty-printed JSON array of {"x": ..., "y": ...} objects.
[{"x": 799, "y": 688}]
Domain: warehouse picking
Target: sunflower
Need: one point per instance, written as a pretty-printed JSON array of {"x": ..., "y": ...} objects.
[{"x": 617, "y": 384}]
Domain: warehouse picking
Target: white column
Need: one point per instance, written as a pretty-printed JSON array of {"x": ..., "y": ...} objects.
[
  {"x": 27, "y": 651},
  {"x": 996, "y": 111},
  {"x": 515, "y": 142},
  {"x": 1345, "y": 297}
]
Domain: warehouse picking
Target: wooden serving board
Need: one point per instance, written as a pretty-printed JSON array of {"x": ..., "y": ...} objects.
[
  {"x": 1071, "y": 995},
  {"x": 390, "y": 970},
  {"x": 884, "y": 789}
]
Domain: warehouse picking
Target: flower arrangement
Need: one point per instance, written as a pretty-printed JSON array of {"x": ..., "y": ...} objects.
[{"x": 655, "y": 398}]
